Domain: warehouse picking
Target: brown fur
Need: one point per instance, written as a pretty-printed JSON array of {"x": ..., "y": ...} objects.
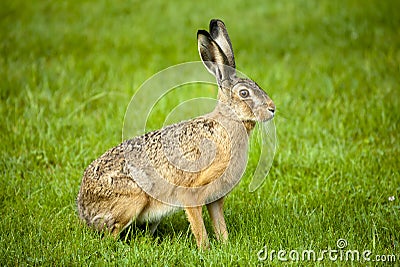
[{"x": 110, "y": 197}]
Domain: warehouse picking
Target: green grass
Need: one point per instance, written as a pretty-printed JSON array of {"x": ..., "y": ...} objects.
[{"x": 69, "y": 68}]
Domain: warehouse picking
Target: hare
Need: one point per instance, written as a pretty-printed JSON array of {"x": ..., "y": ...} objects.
[{"x": 187, "y": 165}]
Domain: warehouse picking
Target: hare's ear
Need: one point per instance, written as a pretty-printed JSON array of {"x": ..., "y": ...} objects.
[
  {"x": 220, "y": 35},
  {"x": 213, "y": 57}
]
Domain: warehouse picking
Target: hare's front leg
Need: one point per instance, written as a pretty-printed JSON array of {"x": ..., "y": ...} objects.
[
  {"x": 215, "y": 209},
  {"x": 153, "y": 226},
  {"x": 195, "y": 218}
]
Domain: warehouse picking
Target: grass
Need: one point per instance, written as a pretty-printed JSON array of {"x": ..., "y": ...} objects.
[{"x": 67, "y": 73}]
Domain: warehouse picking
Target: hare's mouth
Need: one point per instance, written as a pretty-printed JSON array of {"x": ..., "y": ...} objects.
[
  {"x": 271, "y": 112},
  {"x": 267, "y": 118},
  {"x": 265, "y": 114}
]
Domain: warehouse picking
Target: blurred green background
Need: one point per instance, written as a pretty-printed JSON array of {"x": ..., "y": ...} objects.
[{"x": 68, "y": 70}]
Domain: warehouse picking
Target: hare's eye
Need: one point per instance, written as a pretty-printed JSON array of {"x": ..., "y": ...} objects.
[{"x": 244, "y": 93}]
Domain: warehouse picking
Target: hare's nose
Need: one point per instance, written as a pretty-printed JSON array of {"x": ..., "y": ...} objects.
[{"x": 271, "y": 107}]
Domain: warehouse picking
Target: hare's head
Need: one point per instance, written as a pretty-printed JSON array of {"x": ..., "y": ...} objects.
[{"x": 243, "y": 96}]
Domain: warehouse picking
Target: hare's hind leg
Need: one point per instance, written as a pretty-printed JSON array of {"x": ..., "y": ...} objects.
[{"x": 215, "y": 209}]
